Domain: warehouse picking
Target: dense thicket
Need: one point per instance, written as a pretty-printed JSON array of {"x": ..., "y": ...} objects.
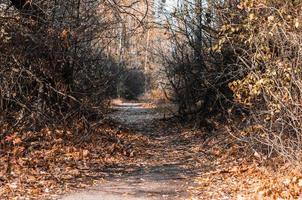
[
  {"x": 234, "y": 57},
  {"x": 55, "y": 61},
  {"x": 266, "y": 38},
  {"x": 60, "y": 61},
  {"x": 131, "y": 84},
  {"x": 196, "y": 75}
]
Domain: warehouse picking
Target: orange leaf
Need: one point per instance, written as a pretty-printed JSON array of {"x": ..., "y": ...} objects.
[{"x": 17, "y": 141}]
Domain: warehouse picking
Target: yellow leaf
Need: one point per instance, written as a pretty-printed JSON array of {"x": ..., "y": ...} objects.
[
  {"x": 297, "y": 24},
  {"x": 271, "y": 18},
  {"x": 85, "y": 153},
  {"x": 17, "y": 141},
  {"x": 251, "y": 16},
  {"x": 286, "y": 181},
  {"x": 300, "y": 183},
  {"x": 64, "y": 34}
]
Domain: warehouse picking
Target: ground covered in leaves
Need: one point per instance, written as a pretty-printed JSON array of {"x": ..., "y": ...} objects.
[
  {"x": 142, "y": 155},
  {"x": 50, "y": 162}
]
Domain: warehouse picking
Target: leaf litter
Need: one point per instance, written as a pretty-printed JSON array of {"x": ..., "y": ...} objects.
[
  {"x": 51, "y": 162},
  {"x": 48, "y": 163}
]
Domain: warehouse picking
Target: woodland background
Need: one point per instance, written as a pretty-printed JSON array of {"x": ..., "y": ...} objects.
[{"x": 229, "y": 63}]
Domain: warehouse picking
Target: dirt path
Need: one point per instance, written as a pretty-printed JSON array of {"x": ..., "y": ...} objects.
[
  {"x": 161, "y": 171},
  {"x": 178, "y": 162}
]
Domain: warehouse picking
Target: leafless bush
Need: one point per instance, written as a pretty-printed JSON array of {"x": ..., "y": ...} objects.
[
  {"x": 197, "y": 75},
  {"x": 56, "y": 61},
  {"x": 132, "y": 84}
]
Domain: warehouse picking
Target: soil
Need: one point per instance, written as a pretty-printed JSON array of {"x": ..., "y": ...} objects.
[{"x": 161, "y": 171}]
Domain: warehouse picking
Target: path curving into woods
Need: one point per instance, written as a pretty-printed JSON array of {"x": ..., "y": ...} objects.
[{"x": 163, "y": 170}]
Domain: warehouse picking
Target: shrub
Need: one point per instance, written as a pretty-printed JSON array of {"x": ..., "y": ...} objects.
[
  {"x": 132, "y": 84},
  {"x": 266, "y": 37}
]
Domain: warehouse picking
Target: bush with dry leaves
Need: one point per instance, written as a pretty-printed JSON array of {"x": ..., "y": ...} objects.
[{"x": 265, "y": 36}]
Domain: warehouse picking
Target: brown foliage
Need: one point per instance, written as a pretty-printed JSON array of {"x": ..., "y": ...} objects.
[
  {"x": 247, "y": 61},
  {"x": 56, "y": 76},
  {"x": 266, "y": 38}
]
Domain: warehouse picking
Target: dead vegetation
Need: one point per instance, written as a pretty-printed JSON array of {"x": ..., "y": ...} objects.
[
  {"x": 229, "y": 70},
  {"x": 57, "y": 75},
  {"x": 51, "y": 162},
  {"x": 238, "y": 63}
]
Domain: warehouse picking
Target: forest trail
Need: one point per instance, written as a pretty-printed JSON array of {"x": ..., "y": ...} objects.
[{"x": 162, "y": 171}]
